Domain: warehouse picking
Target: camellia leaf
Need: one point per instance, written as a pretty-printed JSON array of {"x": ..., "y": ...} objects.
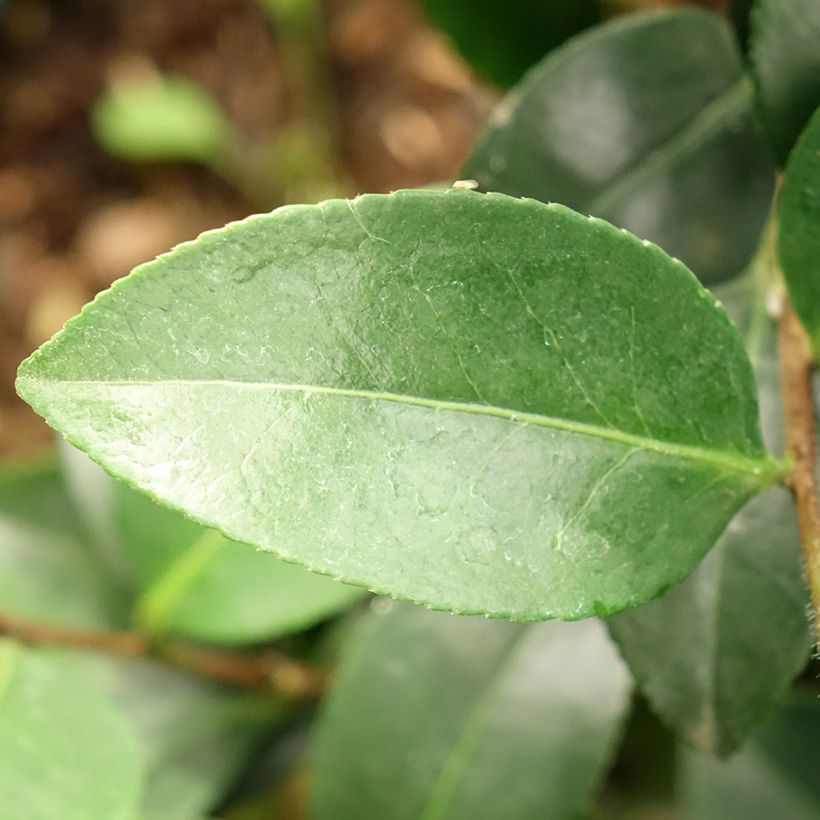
[
  {"x": 646, "y": 122},
  {"x": 475, "y": 719},
  {"x": 774, "y": 776},
  {"x": 799, "y": 229},
  {"x": 706, "y": 654},
  {"x": 481, "y": 403},
  {"x": 503, "y": 40},
  {"x": 785, "y": 55},
  {"x": 65, "y": 751},
  {"x": 197, "y": 583}
]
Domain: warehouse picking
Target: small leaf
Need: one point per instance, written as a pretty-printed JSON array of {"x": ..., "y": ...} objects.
[
  {"x": 706, "y": 654},
  {"x": 481, "y": 403},
  {"x": 775, "y": 776},
  {"x": 785, "y": 55},
  {"x": 161, "y": 118},
  {"x": 799, "y": 229},
  {"x": 646, "y": 122},
  {"x": 435, "y": 716},
  {"x": 65, "y": 751},
  {"x": 197, "y": 583},
  {"x": 48, "y": 569},
  {"x": 501, "y": 41}
]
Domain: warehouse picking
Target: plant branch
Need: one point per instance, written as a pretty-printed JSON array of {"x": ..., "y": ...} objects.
[
  {"x": 801, "y": 443},
  {"x": 263, "y": 670}
]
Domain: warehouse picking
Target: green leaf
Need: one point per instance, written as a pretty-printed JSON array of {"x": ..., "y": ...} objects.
[
  {"x": 161, "y": 118},
  {"x": 65, "y": 752},
  {"x": 195, "y": 736},
  {"x": 799, "y": 229},
  {"x": 485, "y": 404},
  {"x": 501, "y": 41},
  {"x": 785, "y": 55},
  {"x": 706, "y": 654},
  {"x": 435, "y": 716},
  {"x": 646, "y": 122},
  {"x": 774, "y": 776},
  {"x": 48, "y": 570},
  {"x": 197, "y": 583}
]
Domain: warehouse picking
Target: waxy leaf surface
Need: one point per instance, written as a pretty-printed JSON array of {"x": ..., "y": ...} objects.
[
  {"x": 799, "y": 230},
  {"x": 64, "y": 751},
  {"x": 435, "y": 716},
  {"x": 785, "y": 56},
  {"x": 645, "y": 122},
  {"x": 717, "y": 652},
  {"x": 480, "y": 403}
]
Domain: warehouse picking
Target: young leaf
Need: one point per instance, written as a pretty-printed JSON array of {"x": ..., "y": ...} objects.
[
  {"x": 774, "y": 776},
  {"x": 799, "y": 229},
  {"x": 501, "y": 41},
  {"x": 197, "y": 583},
  {"x": 481, "y": 403},
  {"x": 785, "y": 55},
  {"x": 47, "y": 569},
  {"x": 474, "y": 719},
  {"x": 705, "y": 654},
  {"x": 616, "y": 121},
  {"x": 65, "y": 751}
]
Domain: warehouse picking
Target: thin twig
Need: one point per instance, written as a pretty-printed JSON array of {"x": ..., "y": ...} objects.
[
  {"x": 796, "y": 368},
  {"x": 263, "y": 670}
]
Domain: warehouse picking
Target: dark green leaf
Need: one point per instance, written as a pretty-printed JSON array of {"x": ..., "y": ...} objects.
[
  {"x": 785, "y": 54},
  {"x": 775, "y": 776},
  {"x": 435, "y": 716},
  {"x": 799, "y": 229},
  {"x": 646, "y": 122},
  {"x": 502, "y": 40},
  {"x": 485, "y": 404},
  {"x": 197, "y": 583},
  {"x": 707, "y": 654},
  {"x": 64, "y": 751}
]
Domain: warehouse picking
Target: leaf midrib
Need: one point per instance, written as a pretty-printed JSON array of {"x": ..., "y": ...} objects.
[{"x": 764, "y": 469}]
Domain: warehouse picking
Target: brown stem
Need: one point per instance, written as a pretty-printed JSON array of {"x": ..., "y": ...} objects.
[
  {"x": 264, "y": 670},
  {"x": 796, "y": 368}
]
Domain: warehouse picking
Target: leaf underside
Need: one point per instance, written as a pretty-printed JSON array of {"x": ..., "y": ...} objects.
[{"x": 480, "y": 403}]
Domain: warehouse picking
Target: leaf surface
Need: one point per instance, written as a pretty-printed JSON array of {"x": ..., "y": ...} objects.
[
  {"x": 706, "y": 653},
  {"x": 502, "y": 41},
  {"x": 799, "y": 229},
  {"x": 435, "y": 716},
  {"x": 785, "y": 56},
  {"x": 645, "y": 122},
  {"x": 65, "y": 751},
  {"x": 481, "y": 403}
]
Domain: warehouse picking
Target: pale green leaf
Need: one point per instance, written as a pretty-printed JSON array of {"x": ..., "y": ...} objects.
[
  {"x": 64, "y": 751},
  {"x": 435, "y": 716},
  {"x": 799, "y": 229},
  {"x": 785, "y": 56},
  {"x": 482, "y": 403},
  {"x": 714, "y": 654},
  {"x": 646, "y": 122}
]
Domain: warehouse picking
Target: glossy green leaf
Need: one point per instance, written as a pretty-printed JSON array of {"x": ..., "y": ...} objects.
[
  {"x": 197, "y": 583},
  {"x": 799, "y": 229},
  {"x": 502, "y": 40},
  {"x": 708, "y": 654},
  {"x": 785, "y": 55},
  {"x": 646, "y": 122},
  {"x": 48, "y": 568},
  {"x": 195, "y": 736},
  {"x": 436, "y": 716},
  {"x": 481, "y": 403},
  {"x": 775, "y": 776},
  {"x": 64, "y": 751},
  {"x": 161, "y": 118}
]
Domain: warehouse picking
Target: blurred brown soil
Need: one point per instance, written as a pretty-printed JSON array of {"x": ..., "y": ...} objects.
[{"x": 73, "y": 219}]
